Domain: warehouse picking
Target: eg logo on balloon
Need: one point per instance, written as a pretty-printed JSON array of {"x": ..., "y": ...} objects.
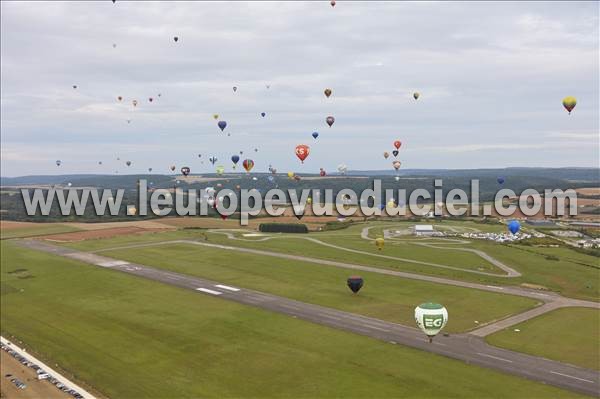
[{"x": 433, "y": 321}]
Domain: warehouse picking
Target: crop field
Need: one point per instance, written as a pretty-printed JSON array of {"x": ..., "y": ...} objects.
[{"x": 130, "y": 337}]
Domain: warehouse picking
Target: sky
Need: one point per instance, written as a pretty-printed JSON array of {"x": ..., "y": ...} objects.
[{"x": 492, "y": 76}]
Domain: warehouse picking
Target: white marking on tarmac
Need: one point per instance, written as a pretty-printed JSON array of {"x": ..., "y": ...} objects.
[
  {"x": 376, "y": 328},
  {"x": 226, "y": 287},
  {"x": 493, "y": 286},
  {"x": 495, "y": 357},
  {"x": 570, "y": 376},
  {"x": 206, "y": 290},
  {"x": 113, "y": 263}
]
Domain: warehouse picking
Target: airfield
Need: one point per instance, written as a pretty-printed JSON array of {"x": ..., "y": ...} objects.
[{"x": 202, "y": 307}]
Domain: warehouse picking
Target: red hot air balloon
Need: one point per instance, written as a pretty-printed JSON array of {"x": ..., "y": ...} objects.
[
  {"x": 248, "y": 164},
  {"x": 397, "y": 144},
  {"x": 302, "y": 152}
]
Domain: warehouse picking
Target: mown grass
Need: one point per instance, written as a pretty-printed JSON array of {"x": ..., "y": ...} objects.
[
  {"x": 129, "y": 337},
  {"x": 384, "y": 297},
  {"x": 569, "y": 335},
  {"x": 36, "y": 230}
]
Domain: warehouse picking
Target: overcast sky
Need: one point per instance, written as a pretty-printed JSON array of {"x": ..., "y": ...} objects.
[{"x": 491, "y": 75}]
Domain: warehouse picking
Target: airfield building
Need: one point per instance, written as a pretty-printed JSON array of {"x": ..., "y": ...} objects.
[{"x": 423, "y": 230}]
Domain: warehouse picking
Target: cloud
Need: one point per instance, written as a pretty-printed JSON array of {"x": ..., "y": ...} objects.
[{"x": 491, "y": 77}]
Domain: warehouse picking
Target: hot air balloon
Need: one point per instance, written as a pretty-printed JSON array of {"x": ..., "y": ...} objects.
[
  {"x": 128, "y": 163},
  {"x": 327, "y": 92},
  {"x": 514, "y": 226},
  {"x": 379, "y": 243},
  {"x": 330, "y": 120},
  {"x": 220, "y": 169},
  {"x": 176, "y": 39},
  {"x": 185, "y": 171},
  {"x": 149, "y": 169},
  {"x": 134, "y": 102},
  {"x": 159, "y": 94},
  {"x": 416, "y": 95},
  {"x": 120, "y": 98},
  {"x": 397, "y": 144},
  {"x": 315, "y": 135},
  {"x": 235, "y": 159},
  {"x": 222, "y": 125},
  {"x": 199, "y": 155},
  {"x": 386, "y": 154},
  {"x": 150, "y": 99},
  {"x": 395, "y": 153},
  {"x": 290, "y": 175},
  {"x": 500, "y": 180},
  {"x": 396, "y": 164},
  {"x": 248, "y": 164},
  {"x": 74, "y": 86},
  {"x": 172, "y": 167},
  {"x": 431, "y": 318},
  {"x": 342, "y": 168},
  {"x": 99, "y": 162},
  {"x": 302, "y": 152},
  {"x": 128, "y": 120},
  {"x": 270, "y": 179},
  {"x": 569, "y": 103},
  {"x": 131, "y": 210},
  {"x": 256, "y": 150},
  {"x": 215, "y": 116},
  {"x": 234, "y": 89},
  {"x": 58, "y": 162},
  {"x": 263, "y": 114},
  {"x": 322, "y": 172},
  {"x": 212, "y": 160},
  {"x": 332, "y": 2},
  {"x": 114, "y": 45},
  {"x": 355, "y": 283}
]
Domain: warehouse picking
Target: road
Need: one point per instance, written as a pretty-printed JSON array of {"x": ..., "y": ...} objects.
[{"x": 465, "y": 347}]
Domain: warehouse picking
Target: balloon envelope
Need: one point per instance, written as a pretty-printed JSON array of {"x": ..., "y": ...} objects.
[
  {"x": 500, "y": 180},
  {"x": 248, "y": 164},
  {"x": 431, "y": 318},
  {"x": 222, "y": 125},
  {"x": 315, "y": 134},
  {"x": 416, "y": 95},
  {"x": 185, "y": 171},
  {"x": 302, "y": 152},
  {"x": 514, "y": 226},
  {"x": 397, "y": 144},
  {"x": 355, "y": 283},
  {"x": 379, "y": 242},
  {"x": 330, "y": 120},
  {"x": 327, "y": 92},
  {"x": 569, "y": 103}
]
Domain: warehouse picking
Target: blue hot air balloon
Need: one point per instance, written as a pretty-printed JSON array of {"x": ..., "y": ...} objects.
[
  {"x": 514, "y": 226},
  {"x": 222, "y": 125},
  {"x": 500, "y": 180},
  {"x": 315, "y": 134},
  {"x": 235, "y": 159},
  {"x": 262, "y": 114}
]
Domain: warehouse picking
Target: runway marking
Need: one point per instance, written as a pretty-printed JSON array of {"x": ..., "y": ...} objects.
[
  {"x": 113, "y": 263},
  {"x": 570, "y": 376},
  {"x": 493, "y": 286},
  {"x": 226, "y": 287},
  {"x": 206, "y": 290},
  {"x": 377, "y": 328},
  {"x": 538, "y": 294},
  {"x": 494, "y": 357}
]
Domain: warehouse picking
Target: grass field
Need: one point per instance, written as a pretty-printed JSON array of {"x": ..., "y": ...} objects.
[
  {"x": 384, "y": 297},
  {"x": 571, "y": 273},
  {"x": 569, "y": 335},
  {"x": 130, "y": 337}
]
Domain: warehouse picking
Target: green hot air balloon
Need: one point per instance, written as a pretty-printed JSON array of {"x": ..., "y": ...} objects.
[{"x": 431, "y": 318}]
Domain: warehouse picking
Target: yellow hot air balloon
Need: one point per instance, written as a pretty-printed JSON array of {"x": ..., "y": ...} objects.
[
  {"x": 215, "y": 116},
  {"x": 131, "y": 210},
  {"x": 291, "y": 175},
  {"x": 379, "y": 242},
  {"x": 220, "y": 169},
  {"x": 569, "y": 103},
  {"x": 309, "y": 200}
]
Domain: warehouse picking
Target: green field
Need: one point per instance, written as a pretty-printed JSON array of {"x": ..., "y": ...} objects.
[
  {"x": 383, "y": 297},
  {"x": 130, "y": 337},
  {"x": 569, "y": 335},
  {"x": 562, "y": 270}
]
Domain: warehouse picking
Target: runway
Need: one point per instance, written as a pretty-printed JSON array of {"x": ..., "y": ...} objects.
[{"x": 465, "y": 347}]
